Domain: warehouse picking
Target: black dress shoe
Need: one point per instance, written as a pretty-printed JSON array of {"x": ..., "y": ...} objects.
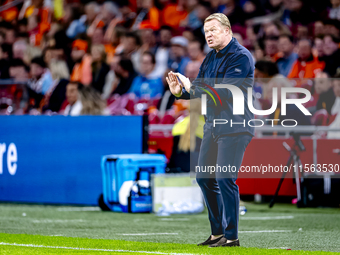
[
  {"x": 209, "y": 241},
  {"x": 223, "y": 242}
]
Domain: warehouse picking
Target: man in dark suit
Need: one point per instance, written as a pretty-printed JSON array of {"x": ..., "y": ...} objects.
[{"x": 223, "y": 145}]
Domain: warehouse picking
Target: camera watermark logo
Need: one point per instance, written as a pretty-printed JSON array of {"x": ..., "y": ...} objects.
[
  {"x": 204, "y": 98},
  {"x": 239, "y": 104}
]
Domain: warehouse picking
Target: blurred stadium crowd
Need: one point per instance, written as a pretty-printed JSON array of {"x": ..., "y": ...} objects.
[{"x": 76, "y": 57}]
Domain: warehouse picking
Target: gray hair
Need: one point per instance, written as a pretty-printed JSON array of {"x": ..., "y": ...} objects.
[
  {"x": 94, "y": 5},
  {"x": 20, "y": 43},
  {"x": 222, "y": 18},
  {"x": 112, "y": 8}
]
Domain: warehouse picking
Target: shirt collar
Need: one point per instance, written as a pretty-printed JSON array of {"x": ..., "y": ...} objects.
[{"x": 230, "y": 48}]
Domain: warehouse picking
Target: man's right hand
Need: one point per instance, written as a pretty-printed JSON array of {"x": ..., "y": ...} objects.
[{"x": 174, "y": 85}]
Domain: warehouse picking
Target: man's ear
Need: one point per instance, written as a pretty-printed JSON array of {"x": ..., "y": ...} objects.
[{"x": 227, "y": 30}]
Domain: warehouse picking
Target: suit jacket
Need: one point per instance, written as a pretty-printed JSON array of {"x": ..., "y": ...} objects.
[{"x": 232, "y": 65}]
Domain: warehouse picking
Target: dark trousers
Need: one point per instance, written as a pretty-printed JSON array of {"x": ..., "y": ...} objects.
[{"x": 219, "y": 189}]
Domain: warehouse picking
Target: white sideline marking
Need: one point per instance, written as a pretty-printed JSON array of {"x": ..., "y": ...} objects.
[
  {"x": 268, "y": 218},
  {"x": 279, "y": 248},
  {"x": 149, "y": 234},
  {"x": 265, "y": 231},
  {"x": 56, "y": 221},
  {"x": 174, "y": 219},
  {"x": 88, "y": 249},
  {"x": 79, "y": 209}
]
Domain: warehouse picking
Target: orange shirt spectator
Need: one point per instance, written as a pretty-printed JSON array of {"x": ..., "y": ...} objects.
[
  {"x": 42, "y": 17},
  {"x": 82, "y": 71},
  {"x": 306, "y": 69},
  {"x": 148, "y": 16},
  {"x": 110, "y": 52},
  {"x": 152, "y": 20},
  {"x": 306, "y": 66},
  {"x": 11, "y": 13},
  {"x": 173, "y": 15}
]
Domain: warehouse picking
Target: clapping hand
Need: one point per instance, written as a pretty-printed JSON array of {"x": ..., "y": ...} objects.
[
  {"x": 174, "y": 85},
  {"x": 185, "y": 81}
]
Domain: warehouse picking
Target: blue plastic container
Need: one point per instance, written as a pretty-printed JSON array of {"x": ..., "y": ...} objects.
[{"x": 130, "y": 169}]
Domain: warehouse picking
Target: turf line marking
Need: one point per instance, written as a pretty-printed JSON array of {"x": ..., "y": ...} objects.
[
  {"x": 149, "y": 234},
  {"x": 87, "y": 249},
  {"x": 57, "y": 221},
  {"x": 265, "y": 231},
  {"x": 174, "y": 219},
  {"x": 268, "y": 218},
  {"x": 79, "y": 209}
]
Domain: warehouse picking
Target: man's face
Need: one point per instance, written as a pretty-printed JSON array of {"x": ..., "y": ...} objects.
[
  {"x": 77, "y": 54},
  {"x": 13, "y": 71},
  {"x": 275, "y": 2},
  {"x": 98, "y": 36},
  {"x": 302, "y": 31},
  {"x": 331, "y": 29},
  {"x": 194, "y": 50},
  {"x": 258, "y": 75},
  {"x": 318, "y": 28},
  {"x": 215, "y": 34},
  {"x": 48, "y": 56},
  {"x": 335, "y": 2},
  {"x": 119, "y": 71},
  {"x": 285, "y": 45},
  {"x": 18, "y": 72},
  {"x": 32, "y": 22},
  {"x": 19, "y": 50},
  {"x": 271, "y": 30},
  {"x": 293, "y": 5},
  {"x": 72, "y": 93},
  {"x": 147, "y": 36},
  {"x": 329, "y": 46},
  {"x": 96, "y": 54},
  {"x": 177, "y": 50},
  {"x": 322, "y": 83},
  {"x": 67, "y": 14},
  {"x": 336, "y": 87},
  {"x": 304, "y": 50},
  {"x": 165, "y": 37},
  {"x": 319, "y": 46},
  {"x": 146, "y": 64},
  {"x": 271, "y": 47},
  {"x": 114, "y": 65},
  {"x": 53, "y": 54},
  {"x": 129, "y": 44},
  {"x": 36, "y": 70},
  {"x": 10, "y": 36}
]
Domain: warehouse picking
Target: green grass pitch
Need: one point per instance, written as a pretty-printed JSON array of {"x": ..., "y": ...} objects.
[{"x": 284, "y": 229}]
